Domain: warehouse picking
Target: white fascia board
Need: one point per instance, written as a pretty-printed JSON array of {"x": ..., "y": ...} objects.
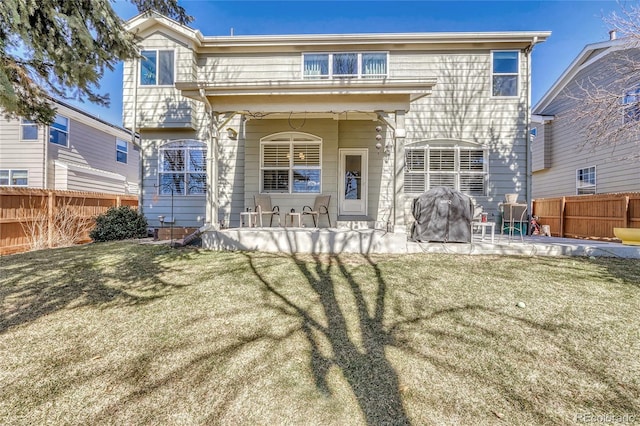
[
  {"x": 310, "y": 87},
  {"x": 541, "y": 119},
  {"x": 576, "y": 66},
  {"x": 145, "y": 21},
  {"x": 89, "y": 170},
  {"x": 376, "y": 38}
]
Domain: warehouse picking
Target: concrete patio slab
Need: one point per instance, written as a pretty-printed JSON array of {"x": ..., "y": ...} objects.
[{"x": 366, "y": 241}]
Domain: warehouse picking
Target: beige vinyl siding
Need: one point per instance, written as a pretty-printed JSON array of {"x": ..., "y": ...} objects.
[
  {"x": 160, "y": 106},
  {"x": 231, "y": 166},
  {"x": 461, "y": 108},
  {"x": 250, "y": 67},
  {"x": 541, "y": 147},
  {"x": 186, "y": 208},
  {"x": 16, "y": 154},
  {"x": 326, "y": 129},
  {"x": 362, "y": 134},
  {"x": 568, "y": 151},
  {"x": 95, "y": 149}
]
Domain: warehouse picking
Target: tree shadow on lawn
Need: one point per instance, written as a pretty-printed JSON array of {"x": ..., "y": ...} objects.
[
  {"x": 375, "y": 383},
  {"x": 371, "y": 377},
  {"x": 39, "y": 283}
]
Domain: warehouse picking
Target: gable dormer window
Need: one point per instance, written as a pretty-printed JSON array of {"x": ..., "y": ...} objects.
[
  {"x": 157, "y": 68},
  {"x": 345, "y": 65}
]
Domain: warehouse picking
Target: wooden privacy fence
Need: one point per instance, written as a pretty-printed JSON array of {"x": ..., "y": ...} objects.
[
  {"x": 40, "y": 218},
  {"x": 589, "y": 216}
]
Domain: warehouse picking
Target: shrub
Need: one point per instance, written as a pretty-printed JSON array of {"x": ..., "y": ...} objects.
[{"x": 119, "y": 223}]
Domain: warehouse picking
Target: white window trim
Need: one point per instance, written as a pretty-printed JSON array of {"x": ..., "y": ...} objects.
[
  {"x": 175, "y": 68},
  {"x": 517, "y": 74},
  {"x": 331, "y": 76},
  {"x": 595, "y": 178},
  {"x": 23, "y": 125},
  {"x": 456, "y": 172},
  {"x": 294, "y": 138},
  {"x": 11, "y": 171},
  {"x": 68, "y": 131},
  {"x": 185, "y": 172},
  {"x": 126, "y": 153}
]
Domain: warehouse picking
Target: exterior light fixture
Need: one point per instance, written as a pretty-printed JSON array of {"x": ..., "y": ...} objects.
[
  {"x": 232, "y": 133},
  {"x": 378, "y": 138}
]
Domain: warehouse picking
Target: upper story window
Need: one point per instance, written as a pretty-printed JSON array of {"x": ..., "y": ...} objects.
[
  {"x": 461, "y": 168},
  {"x": 59, "y": 131},
  {"x": 631, "y": 105},
  {"x": 290, "y": 163},
  {"x": 345, "y": 65},
  {"x": 121, "y": 151},
  {"x": 586, "y": 180},
  {"x": 157, "y": 68},
  {"x": 14, "y": 178},
  {"x": 182, "y": 168},
  {"x": 29, "y": 130},
  {"x": 505, "y": 66}
]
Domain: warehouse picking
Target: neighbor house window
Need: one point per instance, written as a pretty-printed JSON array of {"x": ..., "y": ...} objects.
[
  {"x": 29, "y": 130},
  {"x": 182, "y": 168},
  {"x": 345, "y": 65},
  {"x": 121, "y": 151},
  {"x": 59, "y": 131},
  {"x": 460, "y": 168},
  {"x": 290, "y": 163},
  {"x": 631, "y": 105},
  {"x": 504, "y": 72},
  {"x": 586, "y": 180},
  {"x": 157, "y": 68},
  {"x": 14, "y": 177}
]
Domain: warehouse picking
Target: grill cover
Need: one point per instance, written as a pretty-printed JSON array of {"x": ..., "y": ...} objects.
[{"x": 442, "y": 215}]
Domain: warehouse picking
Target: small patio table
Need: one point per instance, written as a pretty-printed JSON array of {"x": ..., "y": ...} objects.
[
  {"x": 249, "y": 219},
  {"x": 484, "y": 226},
  {"x": 291, "y": 216}
]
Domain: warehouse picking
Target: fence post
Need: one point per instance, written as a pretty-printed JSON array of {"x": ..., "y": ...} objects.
[
  {"x": 51, "y": 205},
  {"x": 562, "y": 204},
  {"x": 626, "y": 211}
]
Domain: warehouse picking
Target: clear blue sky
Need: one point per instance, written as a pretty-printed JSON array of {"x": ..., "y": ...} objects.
[{"x": 573, "y": 24}]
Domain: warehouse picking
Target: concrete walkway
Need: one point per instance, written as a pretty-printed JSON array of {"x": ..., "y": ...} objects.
[{"x": 532, "y": 246}]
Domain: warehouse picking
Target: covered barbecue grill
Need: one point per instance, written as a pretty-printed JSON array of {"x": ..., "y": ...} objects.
[{"x": 442, "y": 215}]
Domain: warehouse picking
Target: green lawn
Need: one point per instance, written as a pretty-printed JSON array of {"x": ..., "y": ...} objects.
[{"x": 120, "y": 333}]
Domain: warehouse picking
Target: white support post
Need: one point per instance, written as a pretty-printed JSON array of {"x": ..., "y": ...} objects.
[{"x": 399, "y": 225}]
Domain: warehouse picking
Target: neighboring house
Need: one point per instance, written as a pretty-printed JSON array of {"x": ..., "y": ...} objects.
[
  {"x": 568, "y": 157},
  {"x": 373, "y": 120},
  {"x": 77, "y": 152}
]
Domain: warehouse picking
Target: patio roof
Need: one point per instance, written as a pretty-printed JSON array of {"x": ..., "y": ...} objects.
[{"x": 313, "y": 96}]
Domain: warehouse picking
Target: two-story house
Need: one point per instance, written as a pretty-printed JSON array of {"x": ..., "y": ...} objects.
[
  {"x": 77, "y": 152},
  {"x": 373, "y": 120},
  {"x": 586, "y": 125}
]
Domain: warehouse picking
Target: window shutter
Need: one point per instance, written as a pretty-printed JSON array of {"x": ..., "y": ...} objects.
[{"x": 275, "y": 155}]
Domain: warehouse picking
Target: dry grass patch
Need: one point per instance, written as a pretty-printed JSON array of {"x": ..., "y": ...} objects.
[{"x": 121, "y": 333}]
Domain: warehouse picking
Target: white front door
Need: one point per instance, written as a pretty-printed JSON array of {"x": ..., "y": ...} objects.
[{"x": 352, "y": 182}]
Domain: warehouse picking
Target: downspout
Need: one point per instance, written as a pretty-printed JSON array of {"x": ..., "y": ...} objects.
[
  {"x": 45, "y": 160},
  {"x": 529, "y": 173},
  {"x": 133, "y": 138}
]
